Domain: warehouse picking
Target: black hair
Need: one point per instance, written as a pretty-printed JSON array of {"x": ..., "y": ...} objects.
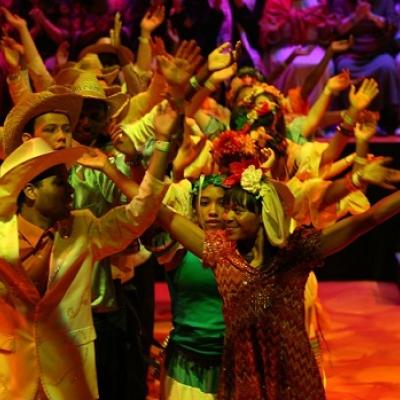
[{"x": 236, "y": 195}]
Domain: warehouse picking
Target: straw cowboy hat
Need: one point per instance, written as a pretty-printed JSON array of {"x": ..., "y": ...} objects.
[
  {"x": 89, "y": 87},
  {"x": 25, "y": 163},
  {"x": 104, "y": 45},
  {"x": 91, "y": 62},
  {"x": 54, "y": 100}
]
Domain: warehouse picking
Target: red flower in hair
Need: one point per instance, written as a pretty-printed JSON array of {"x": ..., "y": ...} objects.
[{"x": 236, "y": 169}]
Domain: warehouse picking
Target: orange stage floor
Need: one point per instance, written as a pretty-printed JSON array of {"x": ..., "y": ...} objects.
[{"x": 363, "y": 341}]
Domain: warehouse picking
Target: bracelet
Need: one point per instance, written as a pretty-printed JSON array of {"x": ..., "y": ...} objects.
[
  {"x": 356, "y": 180},
  {"x": 347, "y": 119},
  {"x": 162, "y": 146},
  {"x": 210, "y": 86},
  {"x": 360, "y": 160},
  {"x": 143, "y": 40},
  {"x": 345, "y": 131},
  {"x": 194, "y": 83}
]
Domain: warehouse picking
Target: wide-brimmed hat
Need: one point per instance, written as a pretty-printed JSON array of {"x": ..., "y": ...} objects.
[
  {"x": 89, "y": 87},
  {"x": 104, "y": 45},
  {"x": 55, "y": 100},
  {"x": 91, "y": 62},
  {"x": 25, "y": 163}
]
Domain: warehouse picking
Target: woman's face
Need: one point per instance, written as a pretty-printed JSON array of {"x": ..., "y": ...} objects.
[
  {"x": 240, "y": 223},
  {"x": 209, "y": 207}
]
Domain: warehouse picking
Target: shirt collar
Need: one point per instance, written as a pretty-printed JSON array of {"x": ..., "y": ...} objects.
[{"x": 32, "y": 233}]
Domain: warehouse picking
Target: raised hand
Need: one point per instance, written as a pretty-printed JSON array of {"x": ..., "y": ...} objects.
[
  {"x": 14, "y": 20},
  {"x": 158, "y": 47},
  {"x": 375, "y": 173},
  {"x": 12, "y": 51},
  {"x": 339, "y": 82},
  {"x": 120, "y": 140},
  {"x": 221, "y": 57},
  {"x": 165, "y": 121},
  {"x": 152, "y": 19},
  {"x": 193, "y": 143},
  {"x": 94, "y": 158},
  {"x": 362, "y": 98},
  {"x": 176, "y": 71},
  {"x": 190, "y": 51}
]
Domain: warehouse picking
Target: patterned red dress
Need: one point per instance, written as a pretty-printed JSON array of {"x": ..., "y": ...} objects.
[{"x": 267, "y": 354}]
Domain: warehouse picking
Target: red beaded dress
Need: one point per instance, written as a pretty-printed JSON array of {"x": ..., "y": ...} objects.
[{"x": 267, "y": 353}]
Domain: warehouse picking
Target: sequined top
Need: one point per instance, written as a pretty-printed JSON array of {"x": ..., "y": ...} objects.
[{"x": 267, "y": 355}]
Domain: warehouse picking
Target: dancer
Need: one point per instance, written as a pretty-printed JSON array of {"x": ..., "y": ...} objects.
[{"x": 267, "y": 353}]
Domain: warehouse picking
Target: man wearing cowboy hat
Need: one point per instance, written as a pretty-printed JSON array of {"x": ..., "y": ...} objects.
[{"x": 47, "y": 254}]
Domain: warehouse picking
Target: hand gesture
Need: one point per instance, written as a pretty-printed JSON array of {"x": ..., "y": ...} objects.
[
  {"x": 120, "y": 140},
  {"x": 94, "y": 158},
  {"x": 221, "y": 57},
  {"x": 361, "y": 99},
  {"x": 165, "y": 121},
  {"x": 190, "y": 51},
  {"x": 158, "y": 47},
  {"x": 176, "y": 71},
  {"x": 193, "y": 143},
  {"x": 14, "y": 20},
  {"x": 12, "y": 52},
  {"x": 339, "y": 82},
  {"x": 339, "y": 46},
  {"x": 115, "y": 33},
  {"x": 153, "y": 19},
  {"x": 376, "y": 174},
  {"x": 364, "y": 131},
  {"x": 268, "y": 158}
]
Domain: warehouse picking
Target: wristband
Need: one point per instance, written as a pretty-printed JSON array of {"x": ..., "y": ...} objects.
[
  {"x": 194, "y": 83},
  {"x": 360, "y": 160},
  {"x": 356, "y": 180},
  {"x": 210, "y": 86},
  {"x": 162, "y": 146},
  {"x": 143, "y": 40},
  {"x": 347, "y": 119},
  {"x": 352, "y": 182}
]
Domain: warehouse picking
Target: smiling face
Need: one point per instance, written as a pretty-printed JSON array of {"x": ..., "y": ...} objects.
[
  {"x": 209, "y": 207},
  {"x": 55, "y": 129},
  {"x": 242, "y": 215}
]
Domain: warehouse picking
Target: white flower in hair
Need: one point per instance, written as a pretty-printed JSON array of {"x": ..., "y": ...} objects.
[{"x": 251, "y": 179}]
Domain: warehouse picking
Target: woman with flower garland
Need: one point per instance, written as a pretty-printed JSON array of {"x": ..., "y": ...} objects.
[
  {"x": 261, "y": 272},
  {"x": 194, "y": 350}
]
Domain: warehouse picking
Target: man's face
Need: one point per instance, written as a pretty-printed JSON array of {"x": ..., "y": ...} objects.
[
  {"x": 53, "y": 195},
  {"x": 55, "y": 129},
  {"x": 92, "y": 121}
]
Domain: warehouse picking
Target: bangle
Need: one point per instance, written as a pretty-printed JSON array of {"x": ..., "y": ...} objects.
[
  {"x": 356, "y": 180},
  {"x": 143, "y": 40},
  {"x": 360, "y": 160},
  {"x": 347, "y": 119},
  {"x": 210, "y": 86},
  {"x": 344, "y": 131},
  {"x": 162, "y": 146},
  {"x": 352, "y": 181},
  {"x": 194, "y": 83}
]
